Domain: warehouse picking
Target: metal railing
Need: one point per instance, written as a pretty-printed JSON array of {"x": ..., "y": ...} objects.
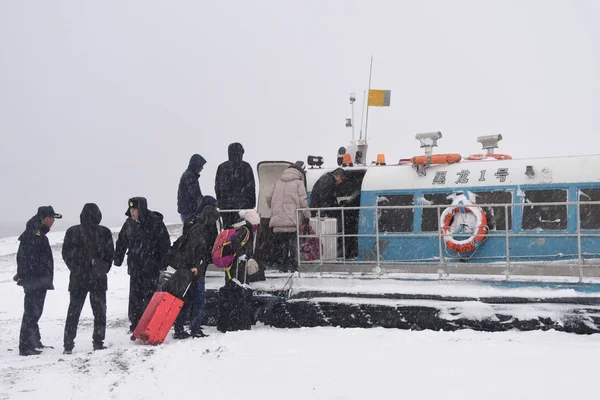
[{"x": 510, "y": 263}]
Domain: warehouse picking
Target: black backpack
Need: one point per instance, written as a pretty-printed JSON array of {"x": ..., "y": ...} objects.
[{"x": 175, "y": 255}]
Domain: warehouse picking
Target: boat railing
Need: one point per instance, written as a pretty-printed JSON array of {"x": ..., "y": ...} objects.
[{"x": 577, "y": 263}]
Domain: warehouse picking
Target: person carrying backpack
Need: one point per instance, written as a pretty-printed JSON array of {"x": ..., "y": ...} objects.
[{"x": 235, "y": 247}]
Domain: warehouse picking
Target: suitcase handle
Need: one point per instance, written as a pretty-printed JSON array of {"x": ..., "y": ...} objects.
[
  {"x": 186, "y": 289},
  {"x": 237, "y": 271}
]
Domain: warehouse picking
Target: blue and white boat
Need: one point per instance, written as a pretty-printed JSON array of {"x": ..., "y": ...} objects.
[{"x": 464, "y": 214}]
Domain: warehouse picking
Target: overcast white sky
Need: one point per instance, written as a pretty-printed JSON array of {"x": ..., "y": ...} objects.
[{"x": 104, "y": 100}]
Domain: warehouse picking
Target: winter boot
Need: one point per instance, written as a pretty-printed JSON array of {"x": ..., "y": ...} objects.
[
  {"x": 99, "y": 346},
  {"x": 181, "y": 335},
  {"x": 29, "y": 352}
]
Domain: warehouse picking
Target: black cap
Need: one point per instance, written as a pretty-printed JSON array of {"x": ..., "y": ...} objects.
[
  {"x": 338, "y": 172},
  {"x": 47, "y": 211},
  {"x": 133, "y": 203}
]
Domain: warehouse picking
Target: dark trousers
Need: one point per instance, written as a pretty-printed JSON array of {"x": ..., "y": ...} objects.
[
  {"x": 286, "y": 251},
  {"x": 29, "y": 337},
  {"x": 194, "y": 303},
  {"x": 140, "y": 294},
  {"x": 98, "y": 303}
]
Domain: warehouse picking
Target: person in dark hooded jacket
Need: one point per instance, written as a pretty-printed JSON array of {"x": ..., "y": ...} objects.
[
  {"x": 201, "y": 235},
  {"x": 189, "y": 194},
  {"x": 35, "y": 273},
  {"x": 212, "y": 230},
  {"x": 88, "y": 251},
  {"x": 234, "y": 185},
  {"x": 145, "y": 238}
]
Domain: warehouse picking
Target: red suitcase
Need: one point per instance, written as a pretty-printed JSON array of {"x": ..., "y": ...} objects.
[{"x": 158, "y": 318}]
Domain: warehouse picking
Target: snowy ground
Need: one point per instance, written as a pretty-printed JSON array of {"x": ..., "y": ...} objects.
[{"x": 267, "y": 363}]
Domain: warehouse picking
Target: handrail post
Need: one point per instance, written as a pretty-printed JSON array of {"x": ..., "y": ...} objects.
[
  {"x": 579, "y": 252},
  {"x": 343, "y": 238},
  {"x": 377, "y": 232},
  {"x": 440, "y": 243},
  {"x": 320, "y": 237},
  {"x": 507, "y": 240},
  {"x": 298, "y": 233}
]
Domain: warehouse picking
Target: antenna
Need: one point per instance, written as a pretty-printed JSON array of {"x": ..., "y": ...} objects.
[
  {"x": 352, "y": 100},
  {"x": 362, "y": 116},
  {"x": 367, "y": 119}
]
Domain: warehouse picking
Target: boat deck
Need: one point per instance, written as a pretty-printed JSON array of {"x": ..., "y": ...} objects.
[{"x": 420, "y": 302}]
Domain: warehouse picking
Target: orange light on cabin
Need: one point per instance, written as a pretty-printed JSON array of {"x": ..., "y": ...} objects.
[
  {"x": 380, "y": 159},
  {"x": 347, "y": 159}
]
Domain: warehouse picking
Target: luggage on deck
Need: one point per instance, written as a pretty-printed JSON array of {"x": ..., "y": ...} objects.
[
  {"x": 326, "y": 230},
  {"x": 235, "y": 305},
  {"x": 309, "y": 246}
]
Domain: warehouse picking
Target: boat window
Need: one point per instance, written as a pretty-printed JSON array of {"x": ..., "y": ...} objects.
[
  {"x": 430, "y": 218},
  {"x": 545, "y": 217},
  {"x": 589, "y": 213},
  {"x": 395, "y": 219},
  {"x": 496, "y": 216}
]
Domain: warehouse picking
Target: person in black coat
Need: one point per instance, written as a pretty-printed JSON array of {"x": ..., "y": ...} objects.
[
  {"x": 35, "y": 272},
  {"x": 234, "y": 185},
  {"x": 201, "y": 235},
  {"x": 88, "y": 251},
  {"x": 146, "y": 237},
  {"x": 189, "y": 194},
  {"x": 323, "y": 191}
]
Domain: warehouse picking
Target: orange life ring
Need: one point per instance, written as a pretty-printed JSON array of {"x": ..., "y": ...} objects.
[
  {"x": 478, "y": 157},
  {"x": 436, "y": 159},
  {"x": 471, "y": 243}
]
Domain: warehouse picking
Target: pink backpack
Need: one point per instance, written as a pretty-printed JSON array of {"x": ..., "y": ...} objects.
[{"x": 222, "y": 252}]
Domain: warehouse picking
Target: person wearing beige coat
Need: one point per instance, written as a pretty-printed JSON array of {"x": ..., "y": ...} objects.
[{"x": 287, "y": 196}]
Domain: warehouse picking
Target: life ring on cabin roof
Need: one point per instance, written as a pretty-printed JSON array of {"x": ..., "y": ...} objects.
[
  {"x": 436, "y": 159},
  {"x": 479, "y": 229},
  {"x": 479, "y": 157}
]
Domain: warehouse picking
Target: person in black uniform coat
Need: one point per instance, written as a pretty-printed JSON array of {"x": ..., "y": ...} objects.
[
  {"x": 234, "y": 185},
  {"x": 88, "y": 251},
  {"x": 35, "y": 273},
  {"x": 146, "y": 237}
]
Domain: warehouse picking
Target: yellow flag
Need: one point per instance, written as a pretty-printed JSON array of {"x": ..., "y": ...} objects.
[{"x": 379, "y": 98}]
